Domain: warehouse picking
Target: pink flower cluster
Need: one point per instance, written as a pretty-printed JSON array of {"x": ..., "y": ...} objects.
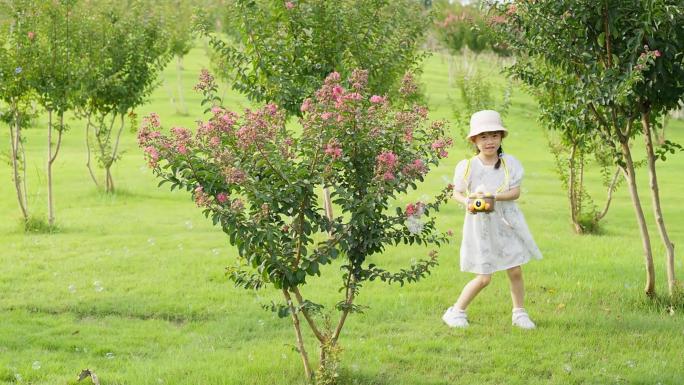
[
  {"x": 289, "y": 5},
  {"x": 377, "y": 99},
  {"x": 386, "y": 164},
  {"x": 206, "y": 81},
  {"x": 183, "y": 137},
  {"x": 415, "y": 168},
  {"x": 333, "y": 149},
  {"x": 440, "y": 145},
  {"x": 408, "y": 85},
  {"x": 234, "y": 175},
  {"x": 31, "y": 35},
  {"x": 415, "y": 209}
]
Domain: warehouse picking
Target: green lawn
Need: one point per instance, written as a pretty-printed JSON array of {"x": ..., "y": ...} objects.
[{"x": 132, "y": 285}]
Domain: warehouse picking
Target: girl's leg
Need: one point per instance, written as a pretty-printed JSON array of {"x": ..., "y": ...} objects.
[
  {"x": 471, "y": 289},
  {"x": 520, "y": 317},
  {"x": 517, "y": 286}
]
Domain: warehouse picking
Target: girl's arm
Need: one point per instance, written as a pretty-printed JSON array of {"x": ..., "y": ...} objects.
[
  {"x": 459, "y": 197},
  {"x": 509, "y": 195}
]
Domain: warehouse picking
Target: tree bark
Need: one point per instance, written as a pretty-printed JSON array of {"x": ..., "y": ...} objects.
[
  {"x": 298, "y": 333},
  {"x": 571, "y": 191},
  {"x": 638, "y": 210},
  {"x": 51, "y": 212},
  {"x": 657, "y": 210},
  {"x": 90, "y": 168},
  {"x": 611, "y": 189},
  {"x": 15, "y": 140}
]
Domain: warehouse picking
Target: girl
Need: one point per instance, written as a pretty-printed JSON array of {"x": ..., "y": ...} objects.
[{"x": 496, "y": 240}]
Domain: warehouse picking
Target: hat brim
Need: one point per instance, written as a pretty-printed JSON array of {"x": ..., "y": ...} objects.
[{"x": 488, "y": 128}]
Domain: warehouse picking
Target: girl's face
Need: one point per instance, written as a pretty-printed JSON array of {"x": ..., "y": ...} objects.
[{"x": 488, "y": 142}]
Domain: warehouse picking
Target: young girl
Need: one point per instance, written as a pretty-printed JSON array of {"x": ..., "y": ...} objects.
[{"x": 496, "y": 240}]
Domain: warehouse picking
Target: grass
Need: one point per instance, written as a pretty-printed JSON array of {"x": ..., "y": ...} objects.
[{"x": 131, "y": 285}]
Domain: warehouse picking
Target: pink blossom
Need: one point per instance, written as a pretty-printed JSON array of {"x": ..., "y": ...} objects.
[
  {"x": 408, "y": 85},
  {"x": 408, "y": 135},
  {"x": 216, "y": 110},
  {"x": 333, "y": 77},
  {"x": 511, "y": 9},
  {"x": 182, "y": 149},
  {"x": 326, "y": 115},
  {"x": 153, "y": 154},
  {"x": 417, "y": 167},
  {"x": 306, "y": 105},
  {"x": 222, "y": 197},
  {"x": 388, "y": 176},
  {"x": 234, "y": 175},
  {"x": 656, "y": 53},
  {"x": 333, "y": 149},
  {"x": 31, "y": 35},
  {"x": 289, "y": 5},
  {"x": 377, "y": 99},
  {"x": 206, "y": 81},
  {"x": 388, "y": 160},
  {"x": 271, "y": 108},
  {"x": 337, "y": 91},
  {"x": 152, "y": 119},
  {"x": 215, "y": 141},
  {"x": 201, "y": 198},
  {"x": 237, "y": 205},
  {"x": 410, "y": 209}
]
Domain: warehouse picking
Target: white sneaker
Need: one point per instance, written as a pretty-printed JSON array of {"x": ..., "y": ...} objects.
[
  {"x": 455, "y": 318},
  {"x": 522, "y": 320}
]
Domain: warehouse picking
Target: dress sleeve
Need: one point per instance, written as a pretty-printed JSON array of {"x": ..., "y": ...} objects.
[
  {"x": 460, "y": 185},
  {"x": 516, "y": 171}
]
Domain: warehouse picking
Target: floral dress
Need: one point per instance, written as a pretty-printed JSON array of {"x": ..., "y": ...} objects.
[{"x": 501, "y": 239}]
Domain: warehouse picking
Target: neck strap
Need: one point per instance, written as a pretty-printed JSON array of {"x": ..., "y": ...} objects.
[{"x": 501, "y": 188}]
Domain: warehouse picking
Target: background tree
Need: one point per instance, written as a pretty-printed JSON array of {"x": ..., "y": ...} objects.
[
  {"x": 53, "y": 75},
  {"x": 282, "y": 51},
  {"x": 179, "y": 24},
  {"x": 18, "y": 58},
  {"x": 257, "y": 179},
  {"x": 626, "y": 61},
  {"x": 126, "y": 51}
]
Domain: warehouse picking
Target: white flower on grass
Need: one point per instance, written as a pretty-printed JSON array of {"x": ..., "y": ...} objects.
[
  {"x": 72, "y": 288},
  {"x": 36, "y": 365},
  {"x": 98, "y": 286},
  {"x": 109, "y": 355}
]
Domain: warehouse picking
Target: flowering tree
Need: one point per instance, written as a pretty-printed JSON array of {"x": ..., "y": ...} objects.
[
  {"x": 624, "y": 63},
  {"x": 257, "y": 179}
]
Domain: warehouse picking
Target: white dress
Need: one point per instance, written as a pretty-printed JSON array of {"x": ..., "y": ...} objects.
[{"x": 501, "y": 239}]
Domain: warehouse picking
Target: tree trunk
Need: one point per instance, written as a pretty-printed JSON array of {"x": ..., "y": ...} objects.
[
  {"x": 90, "y": 168},
  {"x": 51, "y": 211},
  {"x": 15, "y": 140},
  {"x": 638, "y": 210},
  {"x": 657, "y": 211},
  {"x": 298, "y": 333},
  {"x": 611, "y": 189},
  {"x": 571, "y": 191},
  {"x": 51, "y": 159},
  {"x": 327, "y": 203},
  {"x": 112, "y": 159}
]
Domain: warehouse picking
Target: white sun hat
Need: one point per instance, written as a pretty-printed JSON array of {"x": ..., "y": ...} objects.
[{"x": 486, "y": 121}]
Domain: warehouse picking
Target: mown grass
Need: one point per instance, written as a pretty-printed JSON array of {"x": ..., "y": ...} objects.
[{"x": 131, "y": 285}]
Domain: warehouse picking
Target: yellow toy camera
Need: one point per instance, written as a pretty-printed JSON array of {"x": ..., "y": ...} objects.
[{"x": 481, "y": 204}]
